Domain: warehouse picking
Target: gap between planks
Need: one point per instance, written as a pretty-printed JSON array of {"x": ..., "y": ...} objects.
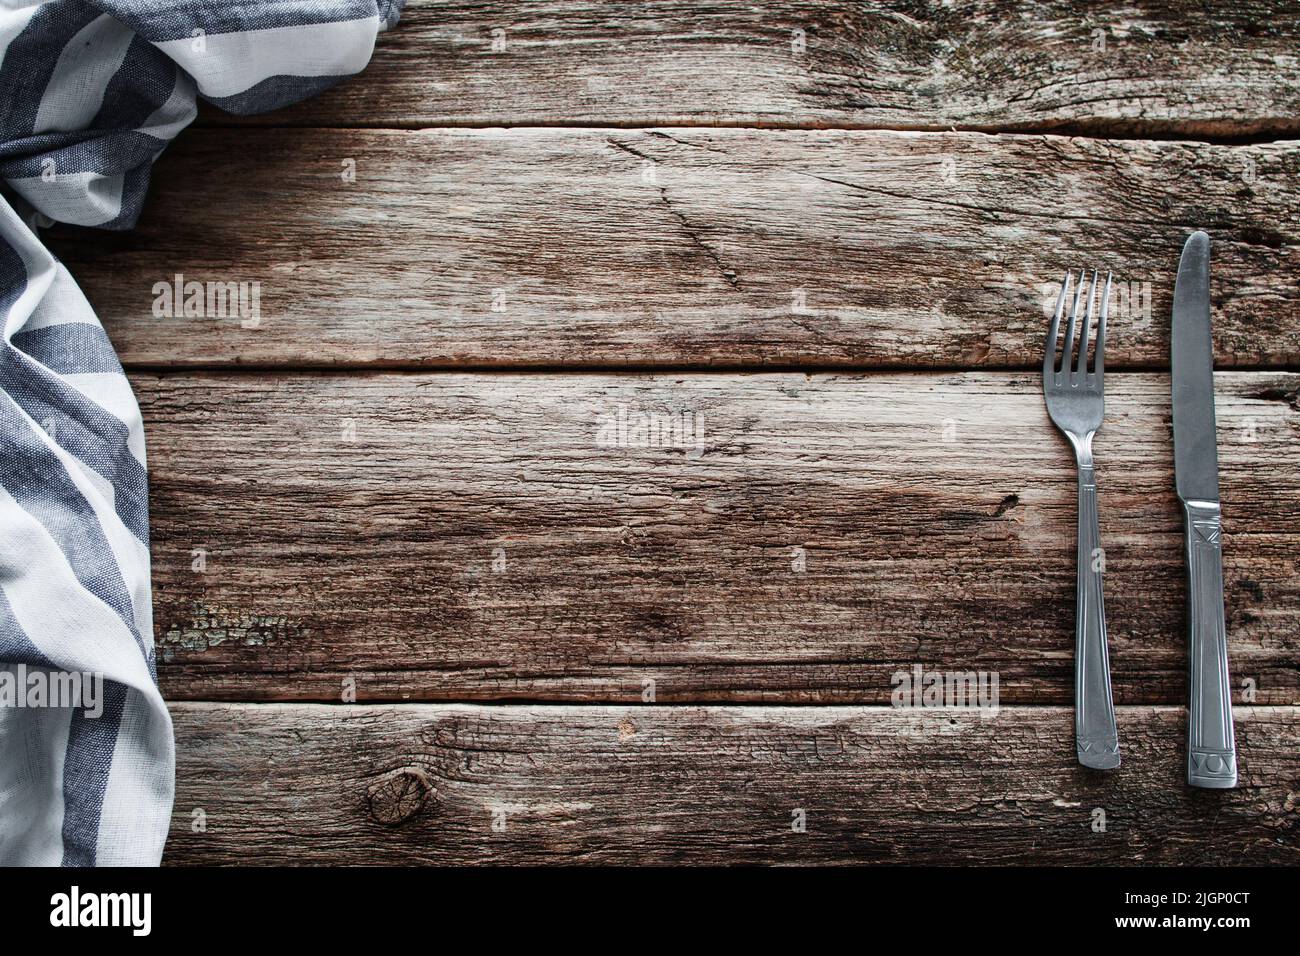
[
  {"x": 1283, "y": 133},
  {"x": 638, "y": 368},
  {"x": 601, "y": 703}
]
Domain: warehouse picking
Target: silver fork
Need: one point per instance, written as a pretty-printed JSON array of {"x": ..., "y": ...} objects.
[{"x": 1076, "y": 403}]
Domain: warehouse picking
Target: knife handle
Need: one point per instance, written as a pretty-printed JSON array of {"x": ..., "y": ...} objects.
[
  {"x": 1095, "y": 734},
  {"x": 1211, "y": 746}
]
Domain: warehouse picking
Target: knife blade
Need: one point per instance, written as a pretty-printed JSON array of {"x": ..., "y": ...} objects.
[
  {"x": 1211, "y": 745},
  {"x": 1196, "y": 454}
]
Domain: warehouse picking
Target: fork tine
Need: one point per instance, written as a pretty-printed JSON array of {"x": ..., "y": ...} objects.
[
  {"x": 1067, "y": 352},
  {"x": 1054, "y": 330},
  {"x": 1098, "y": 360},
  {"x": 1081, "y": 366}
]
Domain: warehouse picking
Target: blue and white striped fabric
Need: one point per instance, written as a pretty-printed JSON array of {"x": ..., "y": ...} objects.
[{"x": 91, "y": 92}]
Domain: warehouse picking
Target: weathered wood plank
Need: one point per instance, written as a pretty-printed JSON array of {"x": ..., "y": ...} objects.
[
  {"x": 456, "y": 537},
  {"x": 315, "y": 784},
  {"x": 1152, "y": 65},
  {"x": 699, "y": 247}
]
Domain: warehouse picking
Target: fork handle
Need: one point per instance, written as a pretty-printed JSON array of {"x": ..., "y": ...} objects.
[
  {"x": 1211, "y": 746},
  {"x": 1096, "y": 736}
]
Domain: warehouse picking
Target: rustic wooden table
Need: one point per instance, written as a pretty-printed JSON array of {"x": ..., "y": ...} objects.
[{"x": 822, "y": 233}]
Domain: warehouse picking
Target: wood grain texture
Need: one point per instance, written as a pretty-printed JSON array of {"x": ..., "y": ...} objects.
[
  {"x": 1146, "y": 66},
  {"x": 691, "y": 247},
  {"x": 315, "y": 784},
  {"x": 476, "y": 537}
]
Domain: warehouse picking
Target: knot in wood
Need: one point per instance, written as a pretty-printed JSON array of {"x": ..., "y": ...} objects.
[{"x": 398, "y": 795}]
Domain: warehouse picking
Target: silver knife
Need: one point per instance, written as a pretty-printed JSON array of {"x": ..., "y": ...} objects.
[{"x": 1211, "y": 747}]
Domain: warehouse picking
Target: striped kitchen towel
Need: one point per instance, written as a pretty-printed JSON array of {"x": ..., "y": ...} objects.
[{"x": 91, "y": 92}]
